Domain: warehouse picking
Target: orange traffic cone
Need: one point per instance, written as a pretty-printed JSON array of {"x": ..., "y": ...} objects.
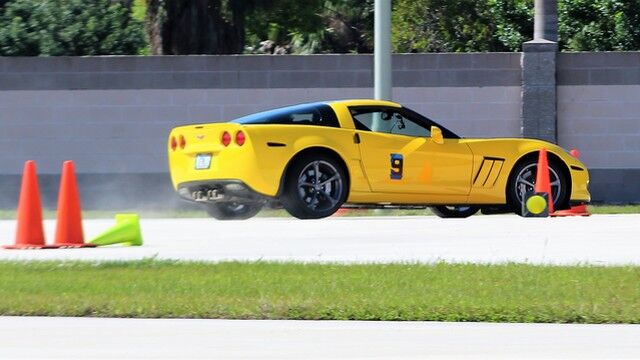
[
  {"x": 543, "y": 183},
  {"x": 69, "y": 232},
  {"x": 578, "y": 210},
  {"x": 29, "y": 232},
  {"x": 341, "y": 212}
]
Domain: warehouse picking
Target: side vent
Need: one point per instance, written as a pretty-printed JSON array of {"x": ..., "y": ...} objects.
[{"x": 488, "y": 173}]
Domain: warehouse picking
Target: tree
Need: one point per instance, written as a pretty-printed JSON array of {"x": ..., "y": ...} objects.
[
  {"x": 315, "y": 26},
  {"x": 236, "y": 26},
  {"x": 68, "y": 27},
  {"x": 196, "y": 26},
  {"x": 464, "y": 25},
  {"x": 76, "y": 27},
  {"x": 346, "y": 26},
  {"x": 270, "y": 29},
  {"x": 503, "y": 25},
  {"x": 512, "y": 22},
  {"x": 599, "y": 25}
]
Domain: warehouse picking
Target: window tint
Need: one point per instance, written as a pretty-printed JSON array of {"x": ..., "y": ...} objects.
[
  {"x": 317, "y": 114},
  {"x": 387, "y": 120}
]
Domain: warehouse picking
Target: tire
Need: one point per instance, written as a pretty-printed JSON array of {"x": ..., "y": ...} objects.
[
  {"x": 303, "y": 199},
  {"x": 451, "y": 211},
  {"x": 233, "y": 210},
  {"x": 522, "y": 180}
]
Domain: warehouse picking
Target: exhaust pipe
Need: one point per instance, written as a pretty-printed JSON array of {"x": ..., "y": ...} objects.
[
  {"x": 208, "y": 195},
  {"x": 214, "y": 195},
  {"x": 198, "y": 196}
]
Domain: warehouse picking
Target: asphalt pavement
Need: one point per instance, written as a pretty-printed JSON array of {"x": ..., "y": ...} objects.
[
  {"x": 599, "y": 240},
  {"x": 91, "y": 338}
]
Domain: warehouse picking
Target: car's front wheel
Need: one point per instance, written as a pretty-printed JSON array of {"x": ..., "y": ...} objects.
[
  {"x": 232, "y": 210},
  {"x": 523, "y": 181},
  {"x": 315, "y": 187},
  {"x": 457, "y": 211}
]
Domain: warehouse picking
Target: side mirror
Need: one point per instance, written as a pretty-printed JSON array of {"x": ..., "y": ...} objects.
[{"x": 436, "y": 135}]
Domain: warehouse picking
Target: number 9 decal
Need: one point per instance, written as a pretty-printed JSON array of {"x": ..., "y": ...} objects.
[{"x": 396, "y": 166}]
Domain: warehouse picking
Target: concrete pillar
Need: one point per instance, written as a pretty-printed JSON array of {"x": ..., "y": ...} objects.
[
  {"x": 539, "y": 115},
  {"x": 546, "y": 20},
  {"x": 539, "y": 90},
  {"x": 382, "y": 50}
]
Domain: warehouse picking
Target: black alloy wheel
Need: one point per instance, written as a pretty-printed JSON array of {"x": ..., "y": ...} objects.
[
  {"x": 523, "y": 181},
  {"x": 315, "y": 187}
]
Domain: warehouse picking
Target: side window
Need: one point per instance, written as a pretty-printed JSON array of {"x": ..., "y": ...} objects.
[
  {"x": 388, "y": 121},
  {"x": 317, "y": 117}
]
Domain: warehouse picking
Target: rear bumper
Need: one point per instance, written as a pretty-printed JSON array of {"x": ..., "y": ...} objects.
[{"x": 208, "y": 191}]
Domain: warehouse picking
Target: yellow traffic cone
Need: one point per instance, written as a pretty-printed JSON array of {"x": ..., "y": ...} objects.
[{"x": 126, "y": 231}]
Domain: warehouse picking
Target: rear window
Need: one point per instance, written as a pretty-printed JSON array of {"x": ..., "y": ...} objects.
[{"x": 317, "y": 114}]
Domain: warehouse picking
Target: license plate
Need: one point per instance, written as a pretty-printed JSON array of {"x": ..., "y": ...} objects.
[{"x": 203, "y": 161}]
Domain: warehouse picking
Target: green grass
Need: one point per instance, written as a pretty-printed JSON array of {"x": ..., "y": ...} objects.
[
  {"x": 263, "y": 290},
  {"x": 196, "y": 213},
  {"x": 139, "y": 9},
  {"x": 614, "y": 209}
]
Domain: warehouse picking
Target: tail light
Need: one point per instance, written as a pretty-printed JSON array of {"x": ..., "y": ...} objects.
[
  {"x": 174, "y": 143},
  {"x": 226, "y": 139},
  {"x": 183, "y": 142},
  {"x": 240, "y": 138}
]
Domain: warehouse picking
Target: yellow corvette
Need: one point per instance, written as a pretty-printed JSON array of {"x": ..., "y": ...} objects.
[{"x": 313, "y": 158}]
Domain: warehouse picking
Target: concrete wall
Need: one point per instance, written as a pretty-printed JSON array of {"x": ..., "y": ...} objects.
[
  {"x": 599, "y": 114},
  {"x": 117, "y": 106},
  {"x": 112, "y": 114}
]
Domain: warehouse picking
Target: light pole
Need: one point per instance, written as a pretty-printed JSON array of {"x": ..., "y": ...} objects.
[
  {"x": 382, "y": 50},
  {"x": 539, "y": 88},
  {"x": 546, "y": 20}
]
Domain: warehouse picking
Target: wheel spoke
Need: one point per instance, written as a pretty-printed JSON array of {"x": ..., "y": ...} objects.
[
  {"x": 334, "y": 177},
  {"x": 304, "y": 183},
  {"x": 331, "y": 199},
  {"x": 316, "y": 169},
  {"x": 555, "y": 183},
  {"x": 521, "y": 180},
  {"x": 314, "y": 200},
  {"x": 325, "y": 195}
]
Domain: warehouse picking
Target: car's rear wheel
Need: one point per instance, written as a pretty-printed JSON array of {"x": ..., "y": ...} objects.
[
  {"x": 454, "y": 211},
  {"x": 523, "y": 180},
  {"x": 315, "y": 187},
  {"x": 231, "y": 210}
]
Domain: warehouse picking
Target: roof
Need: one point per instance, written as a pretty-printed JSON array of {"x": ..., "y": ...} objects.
[
  {"x": 366, "y": 102},
  {"x": 251, "y": 118}
]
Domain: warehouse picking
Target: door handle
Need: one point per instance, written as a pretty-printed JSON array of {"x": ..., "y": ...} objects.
[{"x": 356, "y": 138}]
